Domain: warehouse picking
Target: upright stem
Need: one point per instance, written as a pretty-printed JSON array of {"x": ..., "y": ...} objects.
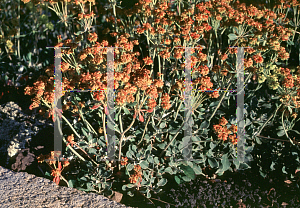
[
  {"x": 115, "y": 15},
  {"x": 220, "y": 102},
  {"x": 19, "y": 31},
  {"x": 121, "y": 139},
  {"x": 159, "y": 64}
]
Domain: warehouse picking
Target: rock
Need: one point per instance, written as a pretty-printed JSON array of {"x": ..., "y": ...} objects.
[
  {"x": 17, "y": 129},
  {"x": 116, "y": 196}
]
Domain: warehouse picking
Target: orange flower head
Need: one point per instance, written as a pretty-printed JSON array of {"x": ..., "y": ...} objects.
[{"x": 223, "y": 121}]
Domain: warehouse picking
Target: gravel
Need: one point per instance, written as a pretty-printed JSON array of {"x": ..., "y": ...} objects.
[
  {"x": 26, "y": 190},
  {"x": 242, "y": 190}
]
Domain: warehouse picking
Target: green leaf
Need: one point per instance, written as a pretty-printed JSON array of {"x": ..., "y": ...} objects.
[
  {"x": 185, "y": 178},
  {"x": 162, "y": 145},
  {"x": 188, "y": 171},
  {"x": 202, "y": 109},
  {"x": 84, "y": 131},
  {"x": 212, "y": 162},
  {"x": 212, "y": 145},
  {"x": 220, "y": 172},
  {"x": 130, "y": 193},
  {"x": 213, "y": 104},
  {"x": 236, "y": 30},
  {"x": 169, "y": 170},
  {"x": 150, "y": 159},
  {"x": 29, "y": 57},
  {"x": 204, "y": 125},
  {"x": 130, "y": 185},
  {"x": 249, "y": 149},
  {"x": 126, "y": 111},
  {"x": 90, "y": 138},
  {"x": 178, "y": 179},
  {"x": 92, "y": 151},
  {"x": 225, "y": 163},
  {"x": 83, "y": 179},
  {"x": 117, "y": 116},
  {"x": 47, "y": 174},
  {"x": 262, "y": 174},
  {"x": 296, "y": 131},
  {"x": 258, "y": 140},
  {"x": 272, "y": 166},
  {"x": 156, "y": 160},
  {"x": 236, "y": 162},
  {"x": 129, "y": 166},
  {"x": 173, "y": 131},
  {"x": 290, "y": 42},
  {"x": 267, "y": 105},
  {"x": 124, "y": 187},
  {"x": 144, "y": 164},
  {"x": 148, "y": 194},
  {"x": 232, "y": 36},
  {"x": 197, "y": 169},
  {"x": 132, "y": 104},
  {"x": 162, "y": 182},
  {"x": 72, "y": 183},
  {"x": 162, "y": 125},
  {"x": 134, "y": 148},
  {"x": 101, "y": 143},
  {"x": 280, "y": 133},
  {"x": 283, "y": 170},
  {"x": 244, "y": 166},
  {"x": 248, "y": 122},
  {"x": 195, "y": 139},
  {"x": 89, "y": 186},
  {"x": 200, "y": 116}
]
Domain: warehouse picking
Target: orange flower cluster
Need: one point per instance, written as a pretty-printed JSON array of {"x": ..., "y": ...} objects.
[
  {"x": 288, "y": 81},
  {"x": 205, "y": 81},
  {"x": 258, "y": 58},
  {"x": 148, "y": 61},
  {"x": 214, "y": 94},
  {"x": 70, "y": 140},
  {"x": 165, "y": 102},
  {"x": 165, "y": 54},
  {"x": 92, "y": 37},
  {"x": 223, "y": 132},
  {"x": 85, "y": 16},
  {"x": 203, "y": 70},
  {"x": 137, "y": 176},
  {"x": 192, "y": 27},
  {"x": 55, "y": 172},
  {"x": 124, "y": 161}
]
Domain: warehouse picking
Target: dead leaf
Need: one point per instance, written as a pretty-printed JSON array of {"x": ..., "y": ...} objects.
[{"x": 288, "y": 181}]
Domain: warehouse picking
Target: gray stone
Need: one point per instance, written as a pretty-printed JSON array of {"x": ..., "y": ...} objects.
[
  {"x": 17, "y": 128},
  {"x": 20, "y": 189}
]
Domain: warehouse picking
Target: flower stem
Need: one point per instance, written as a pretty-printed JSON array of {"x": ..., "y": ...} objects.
[
  {"x": 220, "y": 100},
  {"x": 268, "y": 120},
  {"x": 144, "y": 131},
  {"x": 285, "y": 129}
]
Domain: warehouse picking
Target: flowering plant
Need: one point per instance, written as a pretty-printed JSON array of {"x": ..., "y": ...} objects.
[
  {"x": 51, "y": 160},
  {"x": 153, "y": 148}
]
